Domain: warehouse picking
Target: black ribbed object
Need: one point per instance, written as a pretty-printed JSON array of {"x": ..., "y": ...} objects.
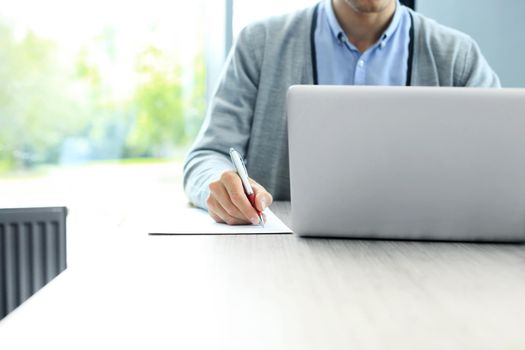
[{"x": 32, "y": 252}]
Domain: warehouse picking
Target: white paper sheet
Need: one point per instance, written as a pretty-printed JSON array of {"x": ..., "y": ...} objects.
[{"x": 194, "y": 221}]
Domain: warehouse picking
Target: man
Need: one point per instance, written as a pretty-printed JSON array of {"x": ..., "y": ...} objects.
[{"x": 362, "y": 42}]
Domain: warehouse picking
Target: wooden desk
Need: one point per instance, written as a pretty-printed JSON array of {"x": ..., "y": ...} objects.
[{"x": 124, "y": 289}]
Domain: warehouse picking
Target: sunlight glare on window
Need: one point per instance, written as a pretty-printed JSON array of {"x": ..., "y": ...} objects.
[{"x": 98, "y": 80}]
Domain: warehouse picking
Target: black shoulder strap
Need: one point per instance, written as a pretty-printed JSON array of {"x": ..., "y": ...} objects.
[
  {"x": 312, "y": 44},
  {"x": 410, "y": 52}
]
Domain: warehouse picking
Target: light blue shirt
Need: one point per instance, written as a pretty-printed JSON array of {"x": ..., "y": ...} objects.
[{"x": 339, "y": 62}]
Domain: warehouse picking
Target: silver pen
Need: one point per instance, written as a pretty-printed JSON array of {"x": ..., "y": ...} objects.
[{"x": 243, "y": 174}]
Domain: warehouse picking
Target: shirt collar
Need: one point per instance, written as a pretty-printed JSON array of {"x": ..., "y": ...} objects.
[{"x": 338, "y": 32}]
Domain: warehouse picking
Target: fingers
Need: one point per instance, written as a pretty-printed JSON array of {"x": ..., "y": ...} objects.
[
  {"x": 221, "y": 195},
  {"x": 263, "y": 199},
  {"x": 216, "y": 217},
  {"x": 229, "y": 204},
  {"x": 219, "y": 214},
  {"x": 228, "y": 201},
  {"x": 233, "y": 184}
]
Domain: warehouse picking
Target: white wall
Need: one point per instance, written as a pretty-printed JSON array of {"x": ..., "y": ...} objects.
[{"x": 497, "y": 25}]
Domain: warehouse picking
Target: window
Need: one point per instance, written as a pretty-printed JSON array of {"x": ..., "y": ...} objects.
[{"x": 97, "y": 85}]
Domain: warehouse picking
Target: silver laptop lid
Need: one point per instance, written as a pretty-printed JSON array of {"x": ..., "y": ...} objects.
[{"x": 407, "y": 163}]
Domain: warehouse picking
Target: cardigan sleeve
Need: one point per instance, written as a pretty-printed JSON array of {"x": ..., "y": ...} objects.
[
  {"x": 477, "y": 71},
  {"x": 228, "y": 120}
]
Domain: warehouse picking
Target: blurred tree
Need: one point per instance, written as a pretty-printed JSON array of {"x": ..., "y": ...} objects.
[
  {"x": 196, "y": 106},
  {"x": 109, "y": 117},
  {"x": 45, "y": 102},
  {"x": 36, "y": 109},
  {"x": 159, "y": 97}
]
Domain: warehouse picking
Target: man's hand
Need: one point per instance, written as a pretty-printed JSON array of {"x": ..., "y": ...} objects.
[{"x": 228, "y": 203}]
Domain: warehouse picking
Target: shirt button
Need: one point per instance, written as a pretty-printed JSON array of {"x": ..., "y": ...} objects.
[
  {"x": 361, "y": 63},
  {"x": 382, "y": 45}
]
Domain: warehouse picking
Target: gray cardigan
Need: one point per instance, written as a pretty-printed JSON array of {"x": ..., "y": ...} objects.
[{"x": 247, "y": 110}]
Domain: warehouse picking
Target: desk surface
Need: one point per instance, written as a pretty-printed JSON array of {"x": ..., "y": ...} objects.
[{"x": 124, "y": 289}]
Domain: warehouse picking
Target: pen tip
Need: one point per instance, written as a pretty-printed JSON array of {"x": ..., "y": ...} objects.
[{"x": 261, "y": 221}]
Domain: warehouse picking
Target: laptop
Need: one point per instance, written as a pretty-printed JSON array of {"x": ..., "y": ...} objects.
[{"x": 414, "y": 163}]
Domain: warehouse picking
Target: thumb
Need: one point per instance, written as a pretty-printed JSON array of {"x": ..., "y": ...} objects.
[{"x": 263, "y": 199}]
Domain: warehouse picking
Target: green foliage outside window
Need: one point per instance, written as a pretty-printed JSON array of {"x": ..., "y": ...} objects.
[{"x": 46, "y": 103}]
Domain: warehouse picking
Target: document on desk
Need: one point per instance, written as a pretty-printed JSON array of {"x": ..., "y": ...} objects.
[{"x": 195, "y": 221}]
